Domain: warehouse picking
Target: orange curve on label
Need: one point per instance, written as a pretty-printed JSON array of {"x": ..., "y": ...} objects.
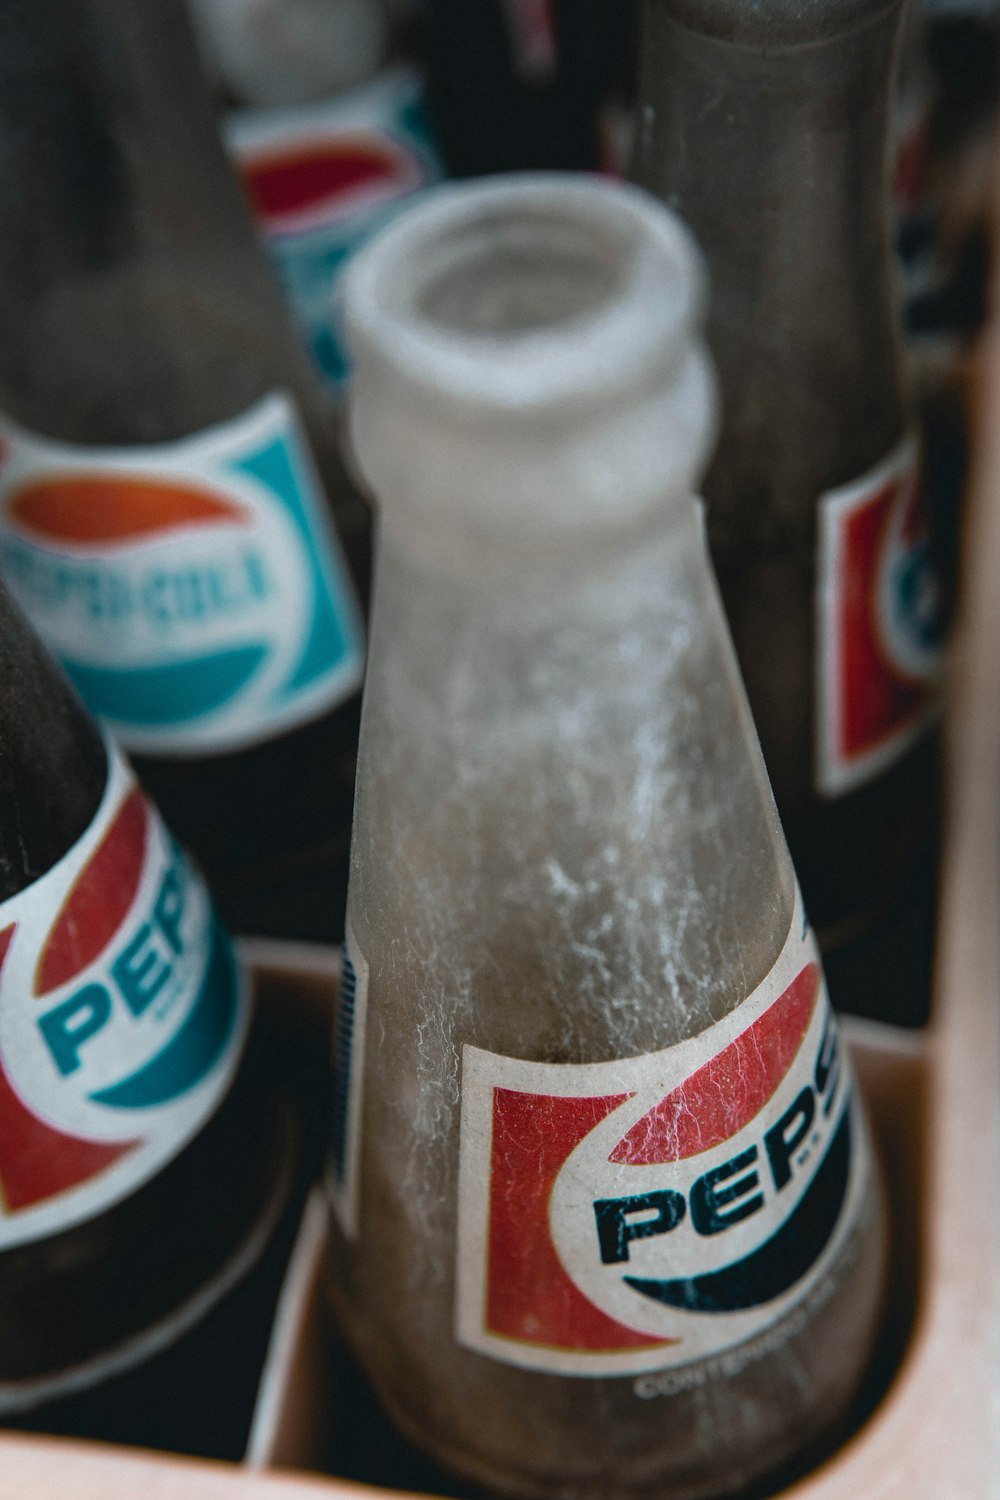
[
  {"x": 114, "y": 507},
  {"x": 724, "y": 1095}
]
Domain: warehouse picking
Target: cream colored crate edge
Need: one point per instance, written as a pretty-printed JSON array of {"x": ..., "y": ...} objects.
[{"x": 937, "y": 1434}]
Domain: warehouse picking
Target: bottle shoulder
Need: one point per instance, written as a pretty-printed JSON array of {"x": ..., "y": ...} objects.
[{"x": 768, "y": 25}]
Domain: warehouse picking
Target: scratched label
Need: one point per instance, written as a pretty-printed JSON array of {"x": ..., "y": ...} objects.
[{"x": 639, "y": 1214}]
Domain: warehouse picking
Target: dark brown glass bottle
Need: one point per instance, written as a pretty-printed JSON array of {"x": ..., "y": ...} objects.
[
  {"x": 519, "y": 84},
  {"x": 168, "y": 457},
  {"x": 765, "y": 127},
  {"x": 143, "y": 1154}
]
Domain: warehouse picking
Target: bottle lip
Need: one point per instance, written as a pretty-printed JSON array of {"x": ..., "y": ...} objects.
[
  {"x": 784, "y": 27},
  {"x": 643, "y": 290}
]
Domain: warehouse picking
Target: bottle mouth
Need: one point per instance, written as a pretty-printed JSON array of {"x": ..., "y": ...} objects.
[
  {"x": 526, "y": 292},
  {"x": 787, "y": 26}
]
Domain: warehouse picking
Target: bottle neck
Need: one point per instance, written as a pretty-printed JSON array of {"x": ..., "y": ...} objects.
[
  {"x": 53, "y": 765},
  {"x": 777, "y": 160},
  {"x": 527, "y": 571},
  {"x": 136, "y": 305}
]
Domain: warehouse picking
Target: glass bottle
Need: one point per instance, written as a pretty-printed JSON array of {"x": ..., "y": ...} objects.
[
  {"x": 572, "y": 1148},
  {"x": 144, "y": 1152},
  {"x": 766, "y": 128},
  {"x": 167, "y": 457}
]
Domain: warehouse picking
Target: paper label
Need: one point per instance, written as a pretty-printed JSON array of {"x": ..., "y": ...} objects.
[
  {"x": 122, "y": 1018},
  {"x": 348, "y": 1070},
  {"x": 322, "y": 178},
  {"x": 879, "y": 630},
  {"x": 649, "y": 1212},
  {"x": 195, "y": 592}
]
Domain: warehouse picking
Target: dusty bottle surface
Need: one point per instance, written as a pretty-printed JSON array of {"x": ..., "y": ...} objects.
[
  {"x": 142, "y": 1158},
  {"x": 167, "y": 459},
  {"x": 815, "y": 516},
  {"x": 589, "y": 1087}
]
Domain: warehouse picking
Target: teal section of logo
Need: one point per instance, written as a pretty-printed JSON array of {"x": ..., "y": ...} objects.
[
  {"x": 166, "y": 695},
  {"x": 333, "y": 639},
  {"x": 309, "y": 266},
  {"x": 199, "y": 1044}
]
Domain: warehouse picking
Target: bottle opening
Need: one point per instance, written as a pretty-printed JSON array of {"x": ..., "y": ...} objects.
[
  {"x": 521, "y": 275},
  {"x": 524, "y": 293}
]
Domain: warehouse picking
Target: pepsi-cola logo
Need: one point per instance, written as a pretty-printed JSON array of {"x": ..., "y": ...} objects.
[
  {"x": 308, "y": 183},
  {"x": 115, "y": 1010},
  {"x": 652, "y": 1226},
  {"x": 168, "y": 600}
]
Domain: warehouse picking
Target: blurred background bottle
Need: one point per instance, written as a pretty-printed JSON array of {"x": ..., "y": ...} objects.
[
  {"x": 945, "y": 121},
  {"x": 168, "y": 458},
  {"x": 327, "y": 122},
  {"x": 766, "y": 129},
  {"x": 564, "y": 1257},
  {"x": 277, "y": 52},
  {"x": 146, "y": 1155},
  {"x": 516, "y": 84}
]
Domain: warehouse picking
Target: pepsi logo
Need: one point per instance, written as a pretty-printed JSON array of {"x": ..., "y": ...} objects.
[
  {"x": 669, "y": 1219},
  {"x": 116, "y": 1014},
  {"x": 168, "y": 602}
]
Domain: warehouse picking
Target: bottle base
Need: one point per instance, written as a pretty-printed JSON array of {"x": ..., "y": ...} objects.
[{"x": 27, "y": 1395}]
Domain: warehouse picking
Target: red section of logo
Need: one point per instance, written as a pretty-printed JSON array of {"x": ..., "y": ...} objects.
[
  {"x": 312, "y": 182},
  {"x": 114, "y": 508},
  {"x": 911, "y": 174},
  {"x": 37, "y": 1162},
  {"x": 530, "y": 1296},
  {"x": 724, "y": 1095},
  {"x": 879, "y": 699},
  {"x": 96, "y": 906}
]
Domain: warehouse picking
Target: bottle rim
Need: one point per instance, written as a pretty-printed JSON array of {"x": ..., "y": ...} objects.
[{"x": 469, "y": 295}]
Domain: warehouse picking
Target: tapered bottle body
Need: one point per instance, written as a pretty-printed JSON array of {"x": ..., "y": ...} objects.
[
  {"x": 144, "y": 1155},
  {"x": 167, "y": 460},
  {"x": 570, "y": 897},
  {"x": 815, "y": 516}
]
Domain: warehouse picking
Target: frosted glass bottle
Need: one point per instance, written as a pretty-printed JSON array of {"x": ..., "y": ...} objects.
[{"x": 605, "y": 1215}]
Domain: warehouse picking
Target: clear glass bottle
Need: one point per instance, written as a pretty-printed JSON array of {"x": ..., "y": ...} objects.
[
  {"x": 573, "y": 923},
  {"x": 169, "y": 463},
  {"x": 766, "y": 128}
]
